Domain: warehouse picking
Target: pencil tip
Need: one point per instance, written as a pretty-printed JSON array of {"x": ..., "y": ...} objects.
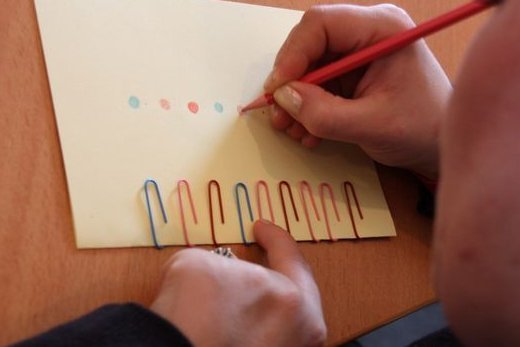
[{"x": 257, "y": 103}]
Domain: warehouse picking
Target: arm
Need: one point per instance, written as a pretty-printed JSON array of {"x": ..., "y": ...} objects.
[
  {"x": 213, "y": 301},
  {"x": 477, "y": 238},
  {"x": 124, "y": 325}
]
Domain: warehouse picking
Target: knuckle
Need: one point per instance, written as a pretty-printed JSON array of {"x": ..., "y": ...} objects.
[
  {"x": 289, "y": 300},
  {"x": 317, "y": 125},
  {"x": 314, "y": 13},
  {"x": 183, "y": 262},
  {"x": 290, "y": 303},
  {"x": 315, "y": 128},
  {"x": 317, "y": 333},
  {"x": 400, "y": 19},
  {"x": 259, "y": 276}
]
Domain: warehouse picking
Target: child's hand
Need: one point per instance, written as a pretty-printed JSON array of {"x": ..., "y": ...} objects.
[
  {"x": 217, "y": 301},
  {"x": 392, "y": 108}
]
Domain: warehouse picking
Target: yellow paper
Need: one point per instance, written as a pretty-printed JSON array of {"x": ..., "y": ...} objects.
[{"x": 127, "y": 77}]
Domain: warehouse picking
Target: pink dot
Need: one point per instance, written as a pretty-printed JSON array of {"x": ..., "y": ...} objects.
[
  {"x": 165, "y": 104},
  {"x": 193, "y": 107}
]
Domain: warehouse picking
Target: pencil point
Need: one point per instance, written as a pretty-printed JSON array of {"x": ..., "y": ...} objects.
[{"x": 261, "y": 101}]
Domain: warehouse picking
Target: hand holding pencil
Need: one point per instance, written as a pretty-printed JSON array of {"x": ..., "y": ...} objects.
[{"x": 391, "y": 107}]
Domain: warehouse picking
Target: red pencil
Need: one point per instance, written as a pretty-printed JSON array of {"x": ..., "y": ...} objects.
[{"x": 382, "y": 48}]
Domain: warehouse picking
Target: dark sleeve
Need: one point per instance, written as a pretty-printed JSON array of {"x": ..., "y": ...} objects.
[
  {"x": 441, "y": 338},
  {"x": 426, "y": 202},
  {"x": 128, "y": 325}
]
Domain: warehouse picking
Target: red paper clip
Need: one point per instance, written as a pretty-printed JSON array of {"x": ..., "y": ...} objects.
[
  {"x": 259, "y": 184},
  {"x": 179, "y": 195},
  {"x": 346, "y": 185},
  {"x": 284, "y": 209},
  {"x": 326, "y": 187},
  {"x": 305, "y": 185},
  {"x": 216, "y": 184}
]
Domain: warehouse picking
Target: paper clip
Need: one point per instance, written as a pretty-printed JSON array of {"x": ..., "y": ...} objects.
[
  {"x": 259, "y": 184},
  {"x": 239, "y": 209},
  {"x": 305, "y": 185},
  {"x": 216, "y": 184},
  {"x": 284, "y": 209},
  {"x": 149, "y": 208},
  {"x": 346, "y": 185},
  {"x": 183, "y": 221},
  {"x": 326, "y": 187}
]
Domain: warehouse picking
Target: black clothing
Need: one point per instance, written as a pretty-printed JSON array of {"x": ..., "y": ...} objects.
[{"x": 128, "y": 325}]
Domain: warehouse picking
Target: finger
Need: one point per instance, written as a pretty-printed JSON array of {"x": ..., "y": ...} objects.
[
  {"x": 296, "y": 131},
  {"x": 283, "y": 254},
  {"x": 327, "y": 116},
  {"x": 333, "y": 29},
  {"x": 280, "y": 120},
  {"x": 310, "y": 141},
  {"x": 186, "y": 260}
]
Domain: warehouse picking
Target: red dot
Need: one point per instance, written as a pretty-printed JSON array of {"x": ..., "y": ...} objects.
[
  {"x": 165, "y": 104},
  {"x": 193, "y": 107}
]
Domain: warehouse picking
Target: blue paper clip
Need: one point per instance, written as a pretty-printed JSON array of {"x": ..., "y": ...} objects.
[
  {"x": 239, "y": 209},
  {"x": 149, "y": 208}
]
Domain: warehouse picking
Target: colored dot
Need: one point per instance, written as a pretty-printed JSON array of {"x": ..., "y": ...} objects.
[
  {"x": 193, "y": 107},
  {"x": 133, "y": 101},
  {"x": 218, "y": 107},
  {"x": 165, "y": 104}
]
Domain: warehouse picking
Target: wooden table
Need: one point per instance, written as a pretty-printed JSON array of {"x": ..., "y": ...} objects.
[{"x": 45, "y": 280}]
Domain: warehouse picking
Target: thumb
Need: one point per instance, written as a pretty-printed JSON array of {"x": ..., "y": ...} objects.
[
  {"x": 323, "y": 114},
  {"x": 283, "y": 255}
]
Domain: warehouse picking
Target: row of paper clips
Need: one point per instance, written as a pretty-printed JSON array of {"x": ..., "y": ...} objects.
[{"x": 284, "y": 189}]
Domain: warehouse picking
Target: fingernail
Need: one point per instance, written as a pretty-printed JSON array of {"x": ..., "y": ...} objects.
[
  {"x": 288, "y": 99},
  {"x": 270, "y": 80},
  {"x": 265, "y": 221},
  {"x": 276, "y": 111}
]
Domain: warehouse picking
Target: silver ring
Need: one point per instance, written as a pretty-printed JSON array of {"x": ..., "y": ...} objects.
[{"x": 223, "y": 251}]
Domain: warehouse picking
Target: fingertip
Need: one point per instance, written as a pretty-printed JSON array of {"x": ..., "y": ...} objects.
[
  {"x": 270, "y": 81},
  {"x": 283, "y": 254},
  {"x": 260, "y": 226},
  {"x": 267, "y": 233},
  {"x": 328, "y": 116},
  {"x": 289, "y": 99},
  {"x": 296, "y": 131},
  {"x": 260, "y": 223},
  {"x": 261, "y": 231},
  {"x": 280, "y": 120},
  {"x": 310, "y": 141}
]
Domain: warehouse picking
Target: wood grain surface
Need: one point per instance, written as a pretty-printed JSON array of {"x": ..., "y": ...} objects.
[{"x": 45, "y": 280}]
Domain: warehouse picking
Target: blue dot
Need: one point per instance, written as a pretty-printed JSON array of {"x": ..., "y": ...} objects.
[
  {"x": 218, "y": 107},
  {"x": 134, "y": 102}
]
